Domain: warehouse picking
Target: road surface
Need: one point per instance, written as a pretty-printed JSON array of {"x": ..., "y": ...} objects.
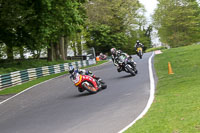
[{"x": 56, "y": 106}]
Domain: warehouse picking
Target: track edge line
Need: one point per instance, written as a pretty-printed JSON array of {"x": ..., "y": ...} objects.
[
  {"x": 37, "y": 85},
  {"x": 151, "y": 98}
]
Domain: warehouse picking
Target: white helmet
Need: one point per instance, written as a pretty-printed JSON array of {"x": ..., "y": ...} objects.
[{"x": 113, "y": 51}]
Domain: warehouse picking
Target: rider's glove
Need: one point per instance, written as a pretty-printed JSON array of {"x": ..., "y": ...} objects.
[
  {"x": 89, "y": 73},
  {"x": 71, "y": 77}
]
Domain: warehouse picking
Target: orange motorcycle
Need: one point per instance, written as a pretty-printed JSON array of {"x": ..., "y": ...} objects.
[{"x": 87, "y": 82}]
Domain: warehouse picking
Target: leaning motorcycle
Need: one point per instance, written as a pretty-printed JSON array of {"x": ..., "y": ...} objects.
[
  {"x": 88, "y": 83},
  {"x": 139, "y": 51},
  {"x": 128, "y": 65},
  {"x": 102, "y": 57}
]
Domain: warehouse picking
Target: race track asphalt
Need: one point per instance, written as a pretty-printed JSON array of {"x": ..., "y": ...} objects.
[{"x": 56, "y": 106}]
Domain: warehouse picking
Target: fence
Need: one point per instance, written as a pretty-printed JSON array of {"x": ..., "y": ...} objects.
[{"x": 19, "y": 77}]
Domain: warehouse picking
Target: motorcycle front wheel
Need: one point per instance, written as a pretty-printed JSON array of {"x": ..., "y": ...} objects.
[
  {"x": 89, "y": 87},
  {"x": 130, "y": 70},
  {"x": 140, "y": 55}
]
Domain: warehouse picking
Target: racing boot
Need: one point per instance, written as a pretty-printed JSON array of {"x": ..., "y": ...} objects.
[{"x": 80, "y": 89}]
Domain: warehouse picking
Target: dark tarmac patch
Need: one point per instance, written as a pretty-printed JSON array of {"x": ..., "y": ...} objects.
[{"x": 4, "y": 97}]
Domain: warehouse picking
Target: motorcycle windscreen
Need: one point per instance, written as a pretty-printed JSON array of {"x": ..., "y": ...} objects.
[{"x": 122, "y": 58}]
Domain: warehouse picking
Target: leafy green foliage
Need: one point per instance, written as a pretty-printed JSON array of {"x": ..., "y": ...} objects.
[
  {"x": 40, "y": 24},
  {"x": 34, "y": 24},
  {"x": 102, "y": 39},
  {"x": 116, "y": 24},
  {"x": 178, "y": 22}
]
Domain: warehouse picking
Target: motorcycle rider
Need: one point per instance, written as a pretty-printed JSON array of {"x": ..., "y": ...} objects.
[
  {"x": 115, "y": 57},
  {"x": 72, "y": 72},
  {"x": 102, "y": 56},
  {"x": 137, "y": 45}
]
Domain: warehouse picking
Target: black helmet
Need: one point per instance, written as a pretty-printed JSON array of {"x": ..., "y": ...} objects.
[{"x": 71, "y": 69}]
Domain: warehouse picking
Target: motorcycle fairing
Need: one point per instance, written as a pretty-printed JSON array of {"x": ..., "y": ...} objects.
[
  {"x": 78, "y": 80},
  {"x": 91, "y": 80},
  {"x": 139, "y": 49}
]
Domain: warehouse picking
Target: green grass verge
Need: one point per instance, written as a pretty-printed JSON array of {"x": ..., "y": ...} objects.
[
  {"x": 19, "y": 88},
  {"x": 176, "y": 108},
  {"x": 153, "y": 49},
  {"x": 16, "y": 65}
]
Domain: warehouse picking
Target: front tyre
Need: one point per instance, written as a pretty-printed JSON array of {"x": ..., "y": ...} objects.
[
  {"x": 140, "y": 55},
  {"x": 130, "y": 70},
  {"x": 89, "y": 87},
  {"x": 136, "y": 71}
]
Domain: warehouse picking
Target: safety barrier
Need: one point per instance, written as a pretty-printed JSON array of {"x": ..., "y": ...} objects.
[{"x": 19, "y": 77}]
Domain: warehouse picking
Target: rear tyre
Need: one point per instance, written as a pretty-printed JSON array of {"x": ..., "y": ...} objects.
[{"x": 89, "y": 87}]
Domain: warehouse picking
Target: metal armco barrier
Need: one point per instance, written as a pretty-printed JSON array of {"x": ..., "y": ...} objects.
[{"x": 19, "y": 77}]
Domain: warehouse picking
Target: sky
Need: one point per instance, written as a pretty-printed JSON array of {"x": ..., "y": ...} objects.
[{"x": 150, "y": 6}]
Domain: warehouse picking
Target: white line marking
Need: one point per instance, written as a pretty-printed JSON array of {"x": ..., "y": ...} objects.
[
  {"x": 151, "y": 98},
  {"x": 25, "y": 90},
  {"x": 39, "y": 84}
]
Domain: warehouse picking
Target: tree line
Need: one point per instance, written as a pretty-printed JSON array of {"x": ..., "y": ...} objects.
[
  {"x": 56, "y": 25},
  {"x": 178, "y": 22}
]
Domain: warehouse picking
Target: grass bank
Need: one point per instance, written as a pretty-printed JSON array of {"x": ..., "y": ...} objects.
[
  {"x": 7, "y": 66},
  {"x": 154, "y": 49},
  {"x": 176, "y": 108},
  {"x": 19, "y": 88}
]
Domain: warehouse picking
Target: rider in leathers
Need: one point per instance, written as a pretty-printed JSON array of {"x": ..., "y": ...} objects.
[
  {"x": 115, "y": 58},
  {"x": 137, "y": 45},
  {"x": 72, "y": 71}
]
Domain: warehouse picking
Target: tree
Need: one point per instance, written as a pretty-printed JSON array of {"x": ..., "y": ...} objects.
[
  {"x": 111, "y": 24},
  {"x": 38, "y": 24},
  {"x": 178, "y": 22},
  {"x": 14, "y": 16}
]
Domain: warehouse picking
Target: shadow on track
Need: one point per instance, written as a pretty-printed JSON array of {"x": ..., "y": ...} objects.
[
  {"x": 83, "y": 94},
  {"x": 126, "y": 76}
]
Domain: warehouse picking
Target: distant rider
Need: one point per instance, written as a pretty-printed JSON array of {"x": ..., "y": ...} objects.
[
  {"x": 102, "y": 56},
  {"x": 137, "y": 45},
  {"x": 115, "y": 57}
]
